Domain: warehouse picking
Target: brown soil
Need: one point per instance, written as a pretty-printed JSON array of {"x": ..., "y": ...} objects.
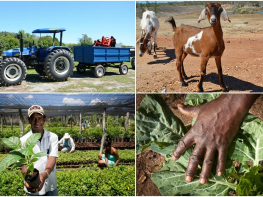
[
  {"x": 241, "y": 62},
  {"x": 148, "y": 161}
]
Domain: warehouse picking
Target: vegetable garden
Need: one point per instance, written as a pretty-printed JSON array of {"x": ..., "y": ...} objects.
[
  {"x": 160, "y": 130},
  {"x": 77, "y": 172}
]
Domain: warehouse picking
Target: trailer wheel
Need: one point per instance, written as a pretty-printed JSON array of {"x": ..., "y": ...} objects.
[
  {"x": 59, "y": 65},
  {"x": 12, "y": 71},
  {"x": 81, "y": 68},
  {"x": 99, "y": 71},
  {"x": 133, "y": 62},
  {"x": 123, "y": 69}
]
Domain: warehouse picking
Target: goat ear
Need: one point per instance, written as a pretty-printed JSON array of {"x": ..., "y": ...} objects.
[
  {"x": 202, "y": 15},
  {"x": 224, "y": 15}
]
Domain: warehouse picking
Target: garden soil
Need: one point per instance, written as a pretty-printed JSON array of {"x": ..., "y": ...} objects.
[
  {"x": 149, "y": 161},
  {"x": 242, "y": 60}
]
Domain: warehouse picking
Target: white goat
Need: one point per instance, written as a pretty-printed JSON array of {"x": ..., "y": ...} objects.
[
  {"x": 201, "y": 42},
  {"x": 149, "y": 26}
]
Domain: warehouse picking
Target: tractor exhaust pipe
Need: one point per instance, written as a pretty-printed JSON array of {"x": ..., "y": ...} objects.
[{"x": 21, "y": 44}]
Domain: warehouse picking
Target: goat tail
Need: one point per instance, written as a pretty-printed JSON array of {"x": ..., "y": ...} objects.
[{"x": 172, "y": 22}]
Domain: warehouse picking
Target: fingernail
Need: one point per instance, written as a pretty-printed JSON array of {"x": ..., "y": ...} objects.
[
  {"x": 203, "y": 181},
  {"x": 174, "y": 158},
  {"x": 188, "y": 179},
  {"x": 219, "y": 173}
]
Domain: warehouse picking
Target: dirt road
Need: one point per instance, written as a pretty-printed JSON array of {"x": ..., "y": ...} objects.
[{"x": 242, "y": 61}]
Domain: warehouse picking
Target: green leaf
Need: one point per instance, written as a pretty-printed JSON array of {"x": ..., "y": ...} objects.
[
  {"x": 155, "y": 122},
  {"x": 17, "y": 165},
  {"x": 7, "y": 161},
  {"x": 198, "y": 99},
  {"x": 40, "y": 154},
  {"x": 34, "y": 160},
  {"x": 30, "y": 167},
  {"x": 251, "y": 183},
  {"x": 248, "y": 143},
  {"x": 171, "y": 181},
  {"x": 28, "y": 152},
  {"x": 12, "y": 142},
  {"x": 15, "y": 152},
  {"x": 33, "y": 139}
]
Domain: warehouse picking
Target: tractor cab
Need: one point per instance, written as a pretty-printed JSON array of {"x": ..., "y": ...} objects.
[{"x": 44, "y": 51}]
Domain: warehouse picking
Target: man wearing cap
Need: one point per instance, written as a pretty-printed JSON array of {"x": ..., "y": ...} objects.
[
  {"x": 67, "y": 143},
  {"x": 46, "y": 165}
]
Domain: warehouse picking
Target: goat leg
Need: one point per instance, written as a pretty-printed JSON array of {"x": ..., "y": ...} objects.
[
  {"x": 220, "y": 73},
  {"x": 179, "y": 68},
  {"x": 204, "y": 61},
  {"x": 182, "y": 67},
  {"x": 154, "y": 50}
]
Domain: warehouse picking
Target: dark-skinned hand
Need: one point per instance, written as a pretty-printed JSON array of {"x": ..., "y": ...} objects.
[
  {"x": 216, "y": 125},
  {"x": 43, "y": 177}
]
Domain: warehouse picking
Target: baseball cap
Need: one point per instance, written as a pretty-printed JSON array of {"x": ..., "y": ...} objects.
[{"x": 35, "y": 109}]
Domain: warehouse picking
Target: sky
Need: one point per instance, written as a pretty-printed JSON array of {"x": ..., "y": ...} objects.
[{"x": 96, "y": 19}]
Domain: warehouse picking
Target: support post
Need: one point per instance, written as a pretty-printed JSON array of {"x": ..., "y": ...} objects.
[
  {"x": 71, "y": 121},
  {"x": 65, "y": 121},
  {"x": 80, "y": 124},
  {"x": 2, "y": 123},
  {"x": 104, "y": 131},
  {"x": 126, "y": 121},
  {"x": 11, "y": 122},
  {"x": 21, "y": 122}
]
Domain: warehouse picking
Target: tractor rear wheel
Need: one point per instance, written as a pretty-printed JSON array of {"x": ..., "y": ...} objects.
[
  {"x": 59, "y": 65},
  {"x": 99, "y": 71},
  {"x": 133, "y": 62},
  {"x": 12, "y": 71},
  {"x": 123, "y": 69}
]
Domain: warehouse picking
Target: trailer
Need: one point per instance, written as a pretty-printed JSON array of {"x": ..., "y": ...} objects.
[{"x": 101, "y": 57}]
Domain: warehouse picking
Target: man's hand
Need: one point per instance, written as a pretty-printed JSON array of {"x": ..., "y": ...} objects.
[
  {"x": 42, "y": 178},
  {"x": 70, "y": 152},
  {"x": 216, "y": 125}
]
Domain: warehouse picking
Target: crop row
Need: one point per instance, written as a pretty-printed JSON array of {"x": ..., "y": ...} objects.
[
  {"x": 117, "y": 181},
  {"x": 89, "y": 133},
  {"x": 92, "y": 155}
]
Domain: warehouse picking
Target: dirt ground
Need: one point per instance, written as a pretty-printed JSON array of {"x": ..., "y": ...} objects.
[
  {"x": 149, "y": 161},
  {"x": 112, "y": 81},
  {"x": 242, "y": 60}
]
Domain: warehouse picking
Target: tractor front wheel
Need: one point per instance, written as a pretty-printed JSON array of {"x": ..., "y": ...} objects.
[
  {"x": 12, "y": 71},
  {"x": 99, "y": 71},
  {"x": 59, "y": 65}
]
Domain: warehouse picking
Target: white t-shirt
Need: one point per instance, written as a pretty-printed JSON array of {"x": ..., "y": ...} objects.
[{"x": 49, "y": 145}]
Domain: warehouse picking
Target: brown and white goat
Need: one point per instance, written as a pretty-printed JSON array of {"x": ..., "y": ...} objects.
[
  {"x": 201, "y": 42},
  {"x": 149, "y": 26}
]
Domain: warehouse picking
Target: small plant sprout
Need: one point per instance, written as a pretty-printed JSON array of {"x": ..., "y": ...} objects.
[{"x": 21, "y": 154}]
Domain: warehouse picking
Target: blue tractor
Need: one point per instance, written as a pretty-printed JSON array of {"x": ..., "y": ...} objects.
[{"x": 55, "y": 62}]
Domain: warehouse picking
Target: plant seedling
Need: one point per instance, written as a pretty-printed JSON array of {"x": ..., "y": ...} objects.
[{"x": 21, "y": 153}]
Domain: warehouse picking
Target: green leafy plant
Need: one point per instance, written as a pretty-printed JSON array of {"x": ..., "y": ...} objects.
[
  {"x": 21, "y": 154},
  {"x": 158, "y": 128}
]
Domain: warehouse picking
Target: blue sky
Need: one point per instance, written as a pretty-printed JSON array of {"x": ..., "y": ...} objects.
[{"x": 96, "y": 19}]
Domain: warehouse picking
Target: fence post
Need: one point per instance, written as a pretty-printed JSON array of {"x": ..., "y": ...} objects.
[{"x": 80, "y": 124}]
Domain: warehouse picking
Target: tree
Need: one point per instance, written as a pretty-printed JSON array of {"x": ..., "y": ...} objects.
[
  {"x": 85, "y": 40},
  {"x": 155, "y": 7},
  {"x": 147, "y": 5},
  {"x": 142, "y": 7},
  {"x": 2, "y": 46},
  {"x": 10, "y": 42}
]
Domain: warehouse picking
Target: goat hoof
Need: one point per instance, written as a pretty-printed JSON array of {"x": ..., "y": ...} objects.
[
  {"x": 155, "y": 56},
  {"x": 224, "y": 90},
  {"x": 184, "y": 84},
  {"x": 185, "y": 77},
  {"x": 201, "y": 90}
]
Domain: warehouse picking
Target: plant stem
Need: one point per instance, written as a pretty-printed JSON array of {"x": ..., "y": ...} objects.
[{"x": 231, "y": 185}]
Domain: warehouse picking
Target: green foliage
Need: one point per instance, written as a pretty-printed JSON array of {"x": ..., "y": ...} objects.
[
  {"x": 22, "y": 154},
  {"x": 155, "y": 7},
  {"x": 246, "y": 146},
  {"x": 10, "y": 42},
  {"x": 85, "y": 40},
  {"x": 142, "y": 7},
  {"x": 147, "y": 4},
  {"x": 117, "y": 181},
  {"x": 2, "y": 45}
]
